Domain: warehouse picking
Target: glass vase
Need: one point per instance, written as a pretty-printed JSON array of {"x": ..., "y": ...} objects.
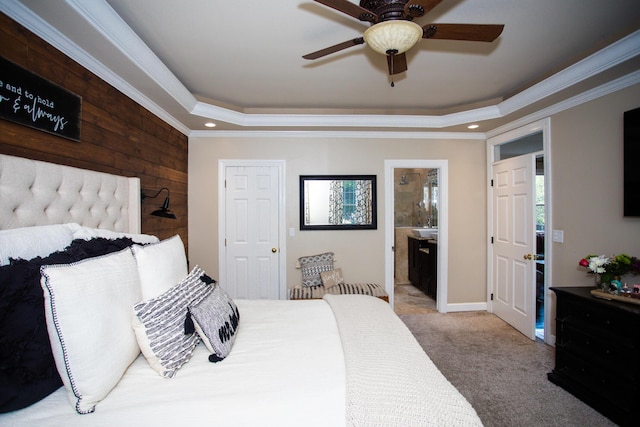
[{"x": 603, "y": 282}]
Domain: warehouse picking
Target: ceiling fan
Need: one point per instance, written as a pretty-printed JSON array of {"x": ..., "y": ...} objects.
[{"x": 393, "y": 32}]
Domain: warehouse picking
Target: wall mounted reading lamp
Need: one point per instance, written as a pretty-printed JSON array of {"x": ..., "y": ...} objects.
[{"x": 163, "y": 211}]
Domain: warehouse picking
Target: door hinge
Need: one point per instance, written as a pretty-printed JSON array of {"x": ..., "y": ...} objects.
[
  {"x": 492, "y": 240},
  {"x": 492, "y": 183},
  {"x": 492, "y": 296},
  {"x": 225, "y": 242}
]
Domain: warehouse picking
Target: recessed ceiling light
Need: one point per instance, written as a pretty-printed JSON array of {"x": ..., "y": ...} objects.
[
  {"x": 473, "y": 126},
  {"x": 210, "y": 124}
]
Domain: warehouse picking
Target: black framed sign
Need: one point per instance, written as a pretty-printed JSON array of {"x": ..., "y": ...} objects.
[{"x": 33, "y": 101}]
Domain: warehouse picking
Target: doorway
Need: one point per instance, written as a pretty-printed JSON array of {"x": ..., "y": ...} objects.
[
  {"x": 519, "y": 220},
  {"x": 415, "y": 208},
  {"x": 439, "y": 218}
]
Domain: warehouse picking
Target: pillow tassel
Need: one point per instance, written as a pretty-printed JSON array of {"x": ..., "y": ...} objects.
[
  {"x": 214, "y": 358},
  {"x": 208, "y": 280},
  {"x": 189, "y": 327}
]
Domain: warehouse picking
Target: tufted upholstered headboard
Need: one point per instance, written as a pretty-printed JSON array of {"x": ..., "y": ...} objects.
[{"x": 40, "y": 193}]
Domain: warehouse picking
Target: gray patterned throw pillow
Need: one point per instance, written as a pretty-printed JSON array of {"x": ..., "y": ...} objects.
[
  {"x": 313, "y": 265},
  {"x": 216, "y": 319}
]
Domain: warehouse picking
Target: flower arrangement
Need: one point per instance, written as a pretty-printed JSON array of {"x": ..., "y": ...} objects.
[{"x": 608, "y": 267}]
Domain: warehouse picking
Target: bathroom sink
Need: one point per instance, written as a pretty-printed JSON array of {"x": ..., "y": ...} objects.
[{"x": 426, "y": 232}]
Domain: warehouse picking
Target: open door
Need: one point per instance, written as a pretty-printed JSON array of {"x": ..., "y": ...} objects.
[{"x": 514, "y": 242}]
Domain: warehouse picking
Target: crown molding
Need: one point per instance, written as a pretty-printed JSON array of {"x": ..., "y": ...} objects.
[
  {"x": 612, "y": 55},
  {"x": 28, "y": 19},
  {"x": 107, "y": 22},
  {"x": 101, "y": 16},
  {"x": 598, "y": 92},
  {"x": 344, "y": 120},
  {"x": 338, "y": 134}
]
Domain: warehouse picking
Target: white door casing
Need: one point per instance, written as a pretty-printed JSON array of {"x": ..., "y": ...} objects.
[
  {"x": 443, "y": 225},
  {"x": 504, "y": 136},
  {"x": 514, "y": 291},
  {"x": 252, "y": 255}
]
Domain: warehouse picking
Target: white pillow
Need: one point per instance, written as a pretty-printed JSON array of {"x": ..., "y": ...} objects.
[
  {"x": 88, "y": 233},
  {"x": 160, "y": 265},
  {"x": 31, "y": 242},
  {"x": 88, "y": 313},
  {"x": 216, "y": 319},
  {"x": 159, "y": 323}
]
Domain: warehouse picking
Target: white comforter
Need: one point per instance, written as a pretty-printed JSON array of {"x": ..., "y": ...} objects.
[
  {"x": 346, "y": 360},
  {"x": 286, "y": 369}
]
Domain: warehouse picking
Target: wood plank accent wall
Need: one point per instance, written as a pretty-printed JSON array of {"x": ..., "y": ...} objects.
[{"x": 118, "y": 135}]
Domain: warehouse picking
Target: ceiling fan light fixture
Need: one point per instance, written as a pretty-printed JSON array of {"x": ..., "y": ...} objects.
[{"x": 396, "y": 35}]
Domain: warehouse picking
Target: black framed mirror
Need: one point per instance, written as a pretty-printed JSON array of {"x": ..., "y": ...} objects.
[{"x": 338, "y": 202}]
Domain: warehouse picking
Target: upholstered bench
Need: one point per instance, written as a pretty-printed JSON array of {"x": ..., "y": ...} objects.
[
  {"x": 319, "y": 278},
  {"x": 317, "y": 292}
]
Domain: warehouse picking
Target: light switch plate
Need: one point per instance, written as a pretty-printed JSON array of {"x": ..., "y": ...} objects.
[{"x": 558, "y": 236}]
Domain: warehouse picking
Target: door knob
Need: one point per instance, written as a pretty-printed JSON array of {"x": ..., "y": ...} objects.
[
  {"x": 530, "y": 257},
  {"x": 274, "y": 250}
]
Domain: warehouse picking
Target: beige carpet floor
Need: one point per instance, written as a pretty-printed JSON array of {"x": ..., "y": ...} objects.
[{"x": 502, "y": 373}]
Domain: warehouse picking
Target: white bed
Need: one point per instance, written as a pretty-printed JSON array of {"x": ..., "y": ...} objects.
[{"x": 343, "y": 360}]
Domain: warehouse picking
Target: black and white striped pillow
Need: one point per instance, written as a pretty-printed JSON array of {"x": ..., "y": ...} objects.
[{"x": 159, "y": 323}]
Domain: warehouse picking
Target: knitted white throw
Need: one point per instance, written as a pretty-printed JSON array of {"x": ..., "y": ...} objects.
[{"x": 390, "y": 379}]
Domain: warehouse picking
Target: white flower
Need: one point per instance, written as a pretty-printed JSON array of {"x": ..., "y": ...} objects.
[{"x": 597, "y": 264}]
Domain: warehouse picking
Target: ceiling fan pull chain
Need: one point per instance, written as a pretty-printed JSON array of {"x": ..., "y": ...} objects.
[{"x": 391, "y": 53}]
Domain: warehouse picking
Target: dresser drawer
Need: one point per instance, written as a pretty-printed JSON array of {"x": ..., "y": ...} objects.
[
  {"x": 600, "y": 350},
  {"x": 619, "y": 390},
  {"x": 594, "y": 317}
]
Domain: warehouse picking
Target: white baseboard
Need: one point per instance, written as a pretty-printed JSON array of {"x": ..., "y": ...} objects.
[{"x": 467, "y": 306}]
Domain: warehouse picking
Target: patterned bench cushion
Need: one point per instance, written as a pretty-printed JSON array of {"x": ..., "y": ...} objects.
[
  {"x": 307, "y": 292},
  {"x": 317, "y": 292},
  {"x": 372, "y": 289}
]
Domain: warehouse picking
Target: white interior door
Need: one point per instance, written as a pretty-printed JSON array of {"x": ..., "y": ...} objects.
[
  {"x": 251, "y": 232},
  {"x": 514, "y": 291}
]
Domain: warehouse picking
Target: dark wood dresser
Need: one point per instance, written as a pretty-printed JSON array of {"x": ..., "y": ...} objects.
[{"x": 598, "y": 353}]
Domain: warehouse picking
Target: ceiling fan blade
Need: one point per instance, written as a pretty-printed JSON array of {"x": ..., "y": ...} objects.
[
  {"x": 397, "y": 63},
  {"x": 350, "y": 9},
  {"x": 335, "y": 48},
  {"x": 469, "y": 32},
  {"x": 416, "y": 8}
]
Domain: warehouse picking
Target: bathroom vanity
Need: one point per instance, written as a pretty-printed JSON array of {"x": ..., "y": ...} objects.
[{"x": 423, "y": 270}]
